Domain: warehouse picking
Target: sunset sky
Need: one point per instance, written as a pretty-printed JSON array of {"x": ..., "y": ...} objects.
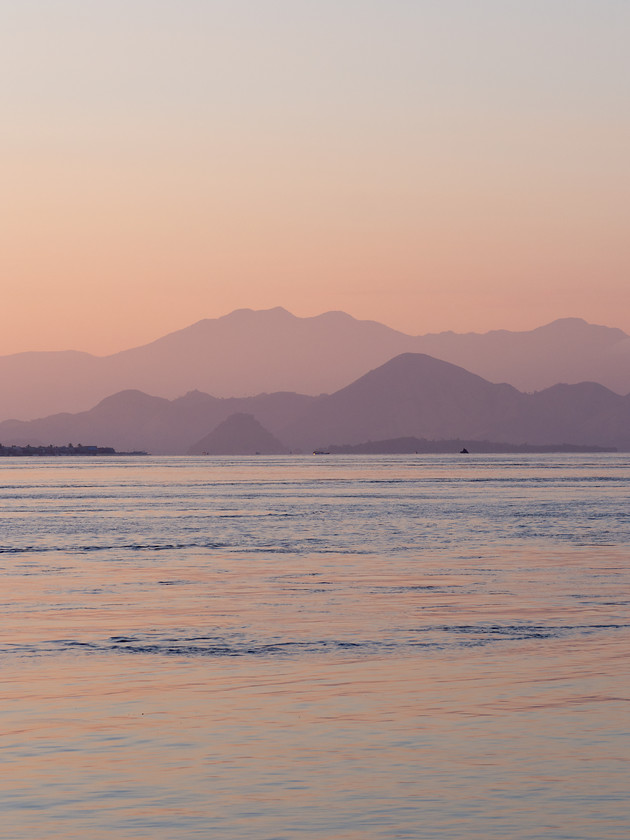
[{"x": 431, "y": 165}]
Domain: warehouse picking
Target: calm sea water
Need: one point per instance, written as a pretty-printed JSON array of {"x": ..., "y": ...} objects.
[{"x": 317, "y": 647}]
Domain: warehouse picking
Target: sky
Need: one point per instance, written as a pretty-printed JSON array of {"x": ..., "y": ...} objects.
[{"x": 430, "y": 165}]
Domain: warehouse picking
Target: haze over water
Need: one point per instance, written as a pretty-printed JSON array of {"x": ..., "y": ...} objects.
[{"x": 350, "y": 647}]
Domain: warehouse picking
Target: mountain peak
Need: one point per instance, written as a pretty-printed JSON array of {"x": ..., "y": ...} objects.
[
  {"x": 240, "y": 434},
  {"x": 130, "y": 397},
  {"x": 247, "y": 313},
  {"x": 578, "y": 326}
]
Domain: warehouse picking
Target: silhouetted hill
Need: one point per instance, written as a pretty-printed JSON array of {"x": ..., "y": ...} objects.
[
  {"x": 248, "y": 352},
  {"x": 411, "y": 395},
  {"x": 125, "y": 418},
  {"x": 240, "y": 434},
  {"x": 582, "y": 413}
]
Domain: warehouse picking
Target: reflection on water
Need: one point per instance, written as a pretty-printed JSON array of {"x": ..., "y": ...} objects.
[{"x": 409, "y": 647}]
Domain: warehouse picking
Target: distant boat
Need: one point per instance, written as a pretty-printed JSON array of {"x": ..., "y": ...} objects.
[
  {"x": 463, "y": 451},
  {"x": 320, "y": 452}
]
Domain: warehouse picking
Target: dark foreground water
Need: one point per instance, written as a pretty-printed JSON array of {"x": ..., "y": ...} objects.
[{"x": 359, "y": 648}]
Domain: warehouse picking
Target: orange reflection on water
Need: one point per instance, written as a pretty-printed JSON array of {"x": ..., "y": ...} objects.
[{"x": 175, "y": 701}]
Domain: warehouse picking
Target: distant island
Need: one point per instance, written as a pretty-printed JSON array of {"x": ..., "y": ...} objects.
[
  {"x": 421, "y": 446},
  {"x": 52, "y": 451}
]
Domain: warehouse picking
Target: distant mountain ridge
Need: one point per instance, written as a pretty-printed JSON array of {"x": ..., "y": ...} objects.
[
  {"x": 248, "y": 352},
  {"x": 412, "y": 395}
]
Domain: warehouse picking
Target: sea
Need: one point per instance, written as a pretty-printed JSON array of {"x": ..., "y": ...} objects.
[{"x": 334, "y": 647}]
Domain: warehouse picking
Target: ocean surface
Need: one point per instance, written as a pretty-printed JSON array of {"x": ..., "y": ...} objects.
[{"x": 349, "y": 647}]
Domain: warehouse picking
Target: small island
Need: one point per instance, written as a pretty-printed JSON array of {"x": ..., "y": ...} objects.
[
  {"x": 422, "y": 446},
  {"x": 53, "y": 451}
]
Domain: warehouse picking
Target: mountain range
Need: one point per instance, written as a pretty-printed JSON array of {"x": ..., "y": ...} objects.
[
  {"x": 268, "y": 351},
  {"x": 411, "y": 395}
]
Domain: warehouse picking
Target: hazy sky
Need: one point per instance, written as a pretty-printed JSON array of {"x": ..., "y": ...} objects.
[{"x": 432, "y": 165}]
